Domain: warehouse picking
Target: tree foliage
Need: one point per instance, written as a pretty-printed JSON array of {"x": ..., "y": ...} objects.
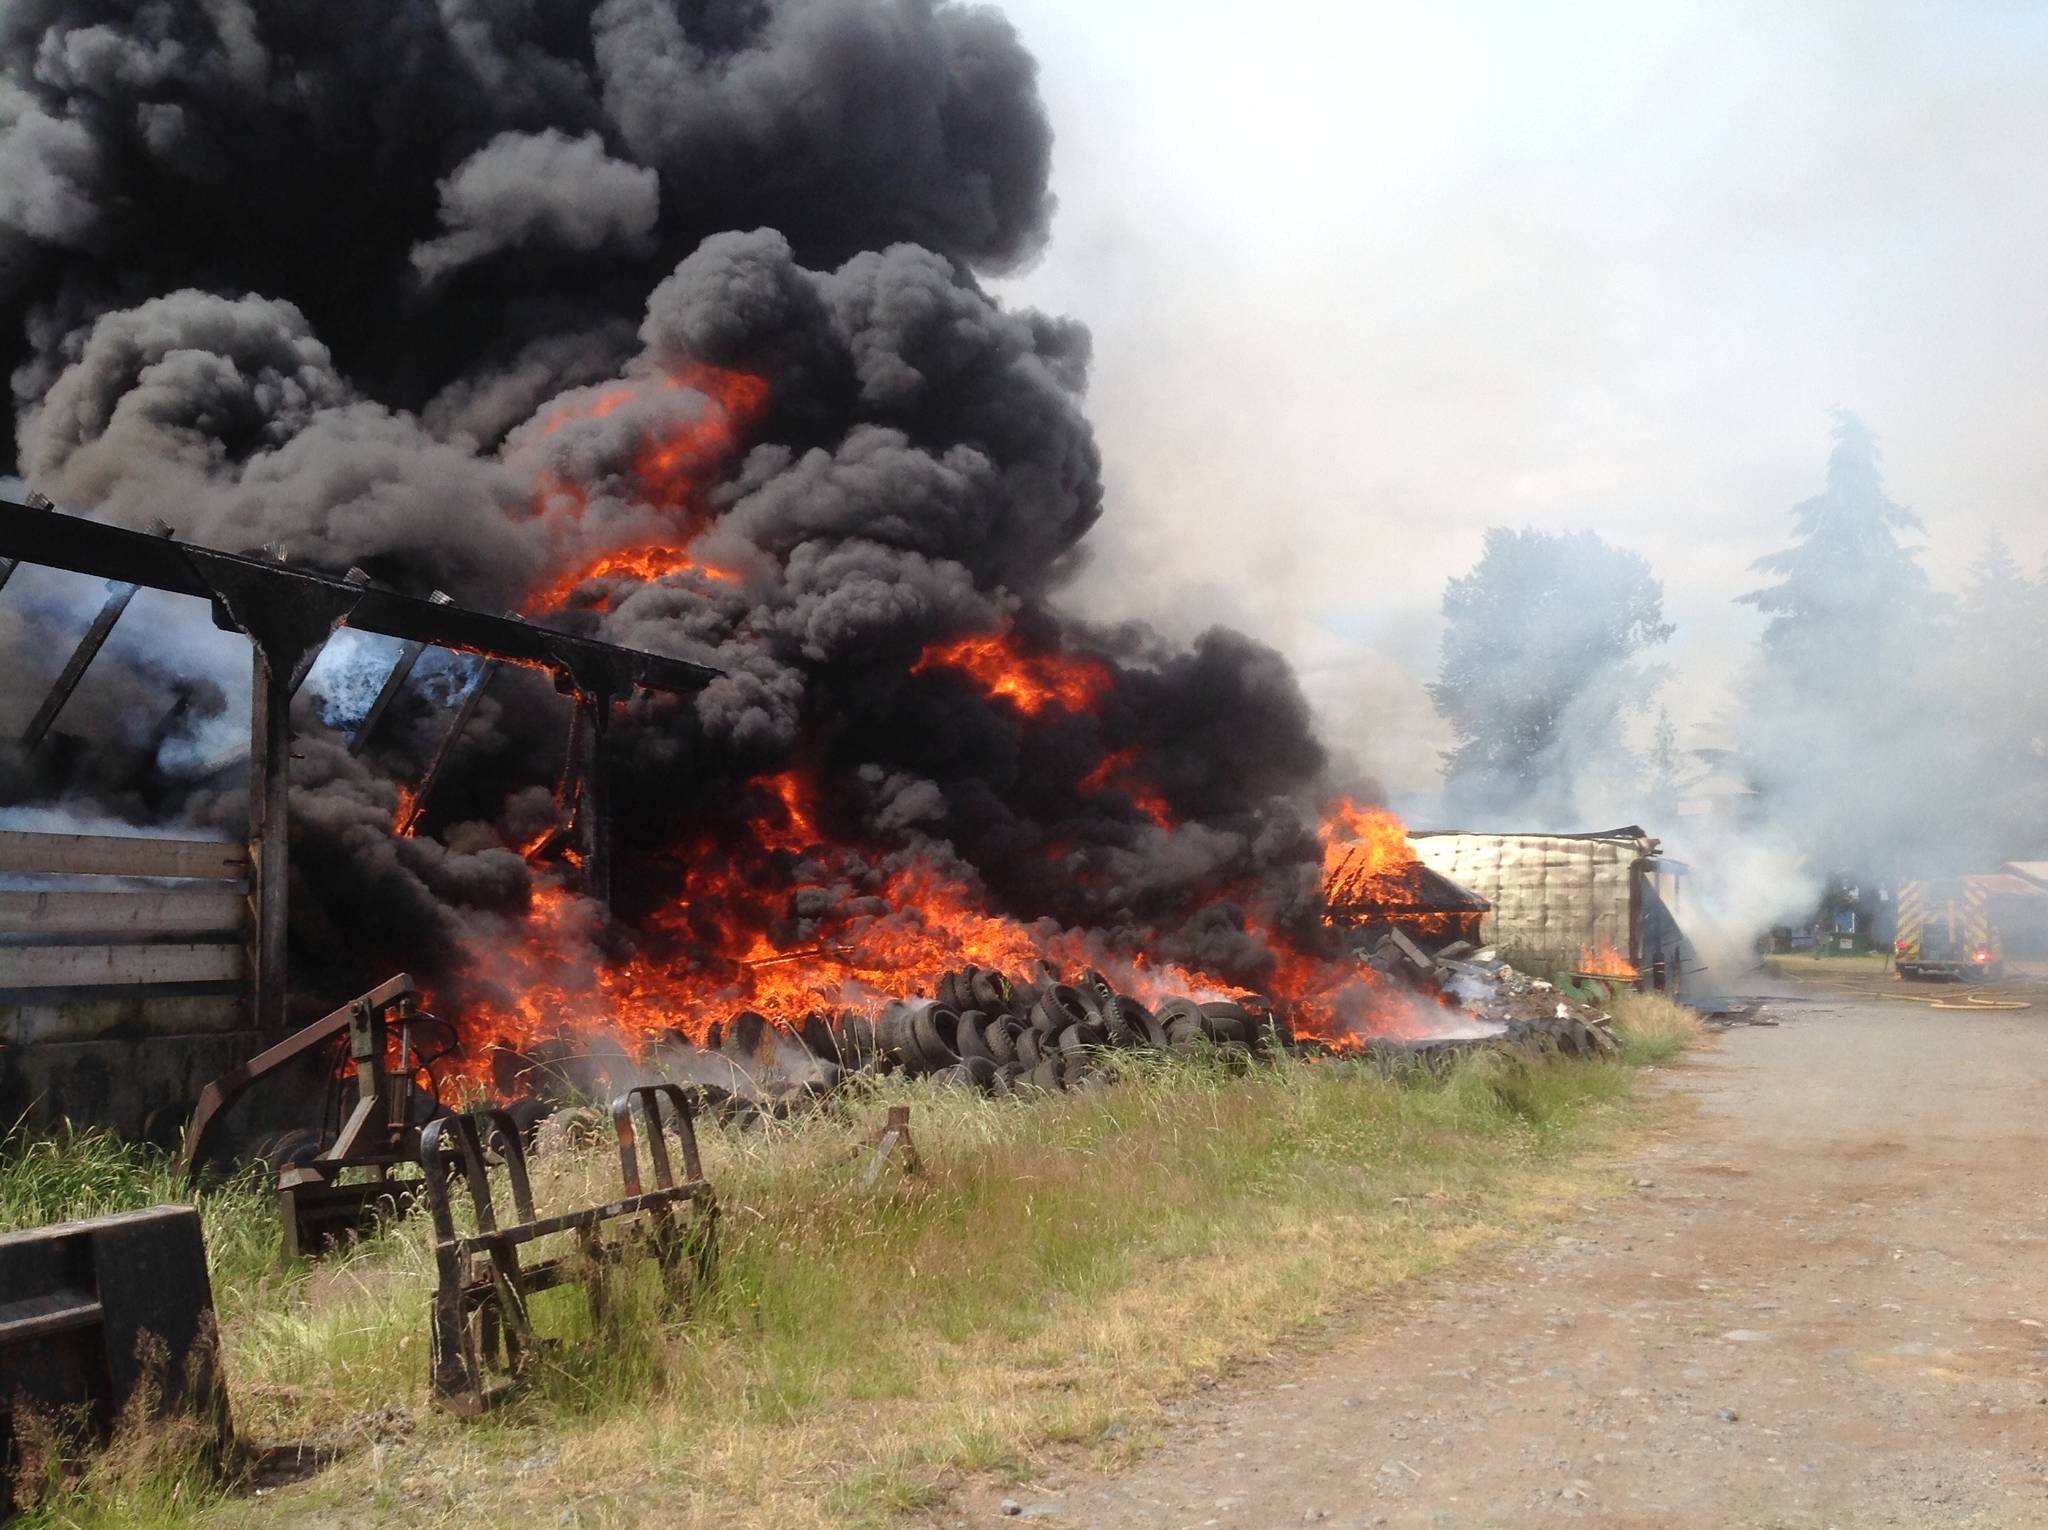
[
  {"x": 1848, "y": 589},
  {"x": 1889, "y": 730},
  {"x": 1537, "y": 678}
]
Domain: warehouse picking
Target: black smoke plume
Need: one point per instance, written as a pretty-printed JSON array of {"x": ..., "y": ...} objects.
[{"x": 494, "y": 296}]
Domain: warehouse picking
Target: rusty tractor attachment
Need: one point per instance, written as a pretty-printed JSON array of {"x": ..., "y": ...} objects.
[
  {"x": 320, "y": 1209},
  {"x": 482, "y": 1330}
]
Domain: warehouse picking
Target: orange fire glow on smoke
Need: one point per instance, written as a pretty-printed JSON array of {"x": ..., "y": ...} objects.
[
  {"x": 742, "y": 926},
  {"x": 1118, "y": 772},
  {"x": 668, "y": 472},
  {"x": 1029, "y": 681}
]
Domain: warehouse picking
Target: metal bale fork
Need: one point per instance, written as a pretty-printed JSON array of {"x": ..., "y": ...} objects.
[{"x": 483, "y": 1337}]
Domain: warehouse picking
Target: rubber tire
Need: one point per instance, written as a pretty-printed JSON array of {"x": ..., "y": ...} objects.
[
  {"x": 991, "y": 991},
  {"x": 970, "y": 1037},
  {"x": 1001, "y": 1038}
]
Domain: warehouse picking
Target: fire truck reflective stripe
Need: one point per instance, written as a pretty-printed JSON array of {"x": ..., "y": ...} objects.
[{"x": 1912, "y": 915}]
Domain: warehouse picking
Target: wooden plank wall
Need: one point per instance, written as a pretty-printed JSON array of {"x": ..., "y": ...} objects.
[{"x": 112, "y": 916}]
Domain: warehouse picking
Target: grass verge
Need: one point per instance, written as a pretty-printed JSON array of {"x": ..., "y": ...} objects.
[
  {"x": 1652, "y": 1027},
  {"x": 1052, "y": 1275}
]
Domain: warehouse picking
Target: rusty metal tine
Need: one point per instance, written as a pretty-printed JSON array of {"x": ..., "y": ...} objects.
[
  {"x": 657, "y": 1145},
  {"x": 474, "y": 1171},
  {"x": 514, "y": 1152},
  {"x": 686, "y": 1129},
  {"x": 629, "y": 1157},
  {"x": 433, "y": 1159}
]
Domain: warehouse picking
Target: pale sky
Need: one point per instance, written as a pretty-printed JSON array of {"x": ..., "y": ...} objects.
[{"x": 1366, "y": 279}]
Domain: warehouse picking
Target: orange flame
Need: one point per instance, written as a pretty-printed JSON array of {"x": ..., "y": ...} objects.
[
  {"x": 1604, "y": 961},
  {"x": 667, "y": 472},
  {"x": 642, "y": 564},
  {"x": 732, "y": 939},
  {"x": 1366, "y": 855},
  {"x": 759, "y": 915},
  {"x": 1030, "y": 682}
]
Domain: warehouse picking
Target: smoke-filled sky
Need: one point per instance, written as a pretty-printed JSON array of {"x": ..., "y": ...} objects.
[{"x": 1367, "y": 279}]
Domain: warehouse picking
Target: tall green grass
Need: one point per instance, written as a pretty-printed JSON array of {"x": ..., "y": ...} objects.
[{"x": 1055, "y": 1268}]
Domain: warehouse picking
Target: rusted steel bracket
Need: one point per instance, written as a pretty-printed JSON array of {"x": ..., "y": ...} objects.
[
  {"x": 481, "y": 1326},
  {"x": 391, "y": 998},
  {"x": 891, "y": 1140}
]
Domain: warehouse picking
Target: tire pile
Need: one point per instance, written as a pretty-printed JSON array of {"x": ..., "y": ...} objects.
[
  {"x": 984, "y": 1032},
  {"x": 981, "y": 1031}
]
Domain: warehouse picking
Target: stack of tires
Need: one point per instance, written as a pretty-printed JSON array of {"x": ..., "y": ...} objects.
[{"x": 984, "y": 1032}]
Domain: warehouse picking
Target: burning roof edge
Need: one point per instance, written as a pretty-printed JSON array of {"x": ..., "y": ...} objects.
[
  {"x": 53, "y": 539},
  {"x": 1428, "y": 891},
  {"x": 1631, "y": 831}
]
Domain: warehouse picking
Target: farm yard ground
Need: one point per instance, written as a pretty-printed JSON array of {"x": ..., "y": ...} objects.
[
  {"x": 1055, "y": 1273},
  {"x": 1819, "y": 1301}
]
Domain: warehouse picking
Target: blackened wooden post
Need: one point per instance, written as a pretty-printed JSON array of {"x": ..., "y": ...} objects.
[
  {"x": 414, "y": 807},
  {"x": 596, "y": 815},
  {"x": 270, "y": 744}
]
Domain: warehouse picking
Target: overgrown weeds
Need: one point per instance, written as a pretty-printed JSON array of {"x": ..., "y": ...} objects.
[
  {"x": 1652, "y": 1027},
  {"x": 1053, "y": 1272}
]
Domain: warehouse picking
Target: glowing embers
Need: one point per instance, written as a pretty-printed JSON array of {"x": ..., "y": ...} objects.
[{"x": 1030, "y": 682}]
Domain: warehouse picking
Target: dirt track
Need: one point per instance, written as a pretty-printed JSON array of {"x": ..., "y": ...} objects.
[{"x": 1821, "y": 1303}]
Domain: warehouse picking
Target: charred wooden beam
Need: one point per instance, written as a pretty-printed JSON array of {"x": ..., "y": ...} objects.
[
  {"x": 34, "y": 501},
  {"x": 113, "y": 552},
  {"x": 119, "y": 594}
]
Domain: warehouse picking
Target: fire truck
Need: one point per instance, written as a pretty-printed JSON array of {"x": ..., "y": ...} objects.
[{"x": 1945, "y": 931}]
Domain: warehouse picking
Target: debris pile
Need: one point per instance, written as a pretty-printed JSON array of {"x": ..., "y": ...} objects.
[{"x": 1490, "y": 1000}]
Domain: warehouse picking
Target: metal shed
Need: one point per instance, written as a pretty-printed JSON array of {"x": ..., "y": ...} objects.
[{"x": 1574, "y": 896}]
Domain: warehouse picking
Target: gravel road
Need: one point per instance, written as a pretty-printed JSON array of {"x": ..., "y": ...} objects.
[{"x": 1820, "y": 1303}]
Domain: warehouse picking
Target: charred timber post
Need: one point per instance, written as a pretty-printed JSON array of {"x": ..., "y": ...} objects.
[
  {"x": 596, "y": 815},
  {"x": 287, "y": 625},
  {"x": 119, "y": 594}
]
